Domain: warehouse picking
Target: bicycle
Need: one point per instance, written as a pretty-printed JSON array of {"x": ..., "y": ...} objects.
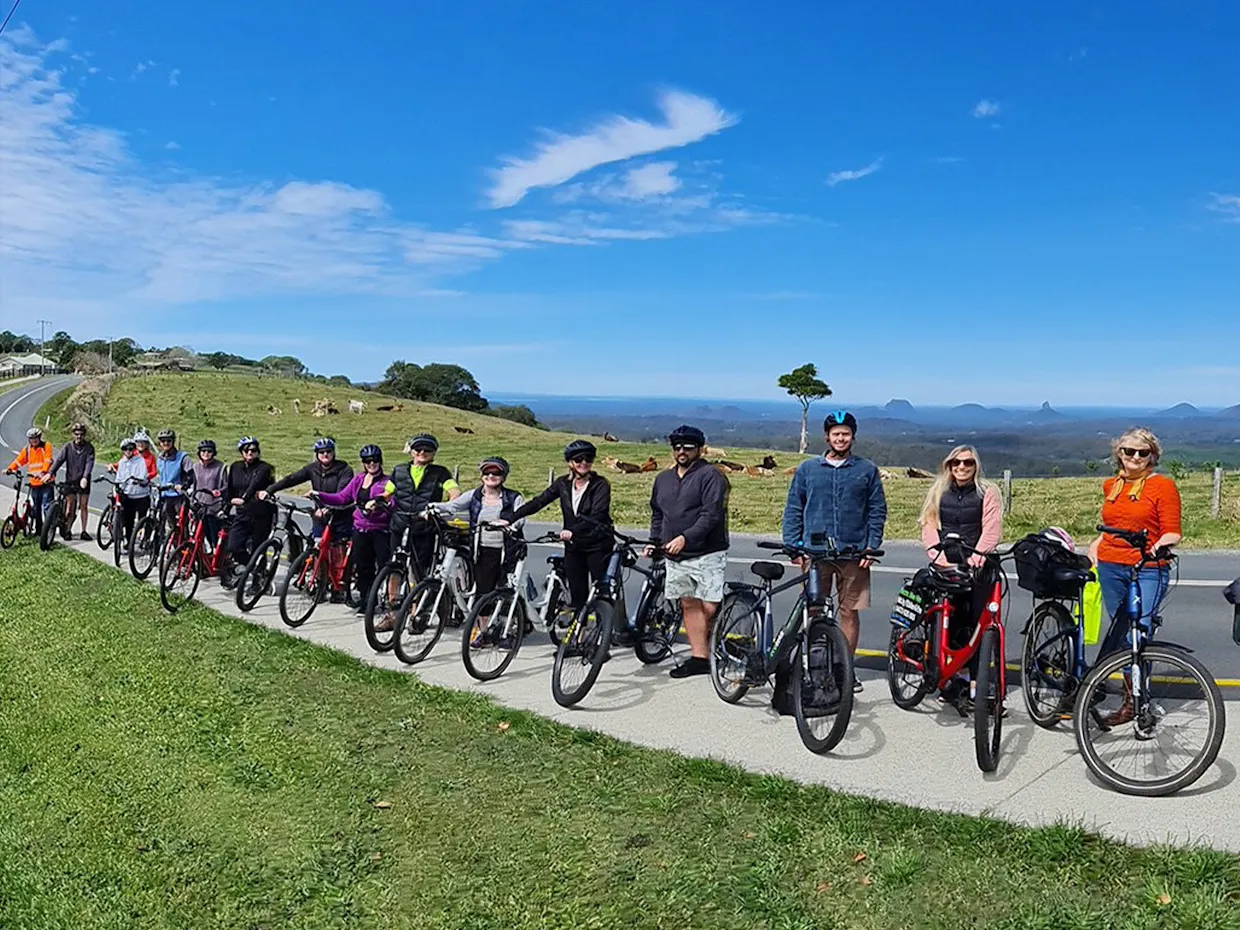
[
  {"x": 259, "y": 574},
  {"x": 312, "y": 575},
  {"x": 446, "y": 593},
  {"x": 921, "y": 658},
  {"x": 589, "y": 636},
  {"x": 391, "y": 586},
  {"x": 500, "y": 619},
  {"x": 54, "y": 518},
  {"x": 21, "y": 519},
  {"x": 552, "y": 604},
  {"x": 1154, "y": 698},
  {"x": 746, "y": 649},
  {"x": 151, "y": 541},
  {"x": 108, "y": 528},
  {"x": 194, "y": 559}
]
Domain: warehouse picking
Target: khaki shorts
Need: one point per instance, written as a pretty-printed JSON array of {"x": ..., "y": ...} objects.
[
  {"x": 700, "y": 578},
  {"x": 852, "y": 584}
]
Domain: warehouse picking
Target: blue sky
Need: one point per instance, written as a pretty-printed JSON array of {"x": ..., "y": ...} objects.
[{"x": 990, "y": 202}]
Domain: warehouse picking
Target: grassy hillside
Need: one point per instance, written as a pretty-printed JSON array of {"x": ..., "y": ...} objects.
[{"x": 225, "y": 407}]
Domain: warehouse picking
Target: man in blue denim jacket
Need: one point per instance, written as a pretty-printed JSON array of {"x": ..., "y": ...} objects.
[{"x": 839, "y": 497}]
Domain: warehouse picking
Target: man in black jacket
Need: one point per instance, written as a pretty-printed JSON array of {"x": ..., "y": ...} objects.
[
  {"x": 252, "y": 516},
  {"x": 327, "y": 475},
  {"x": 78, "y": 459},
  {"x": 689, "y": 518}
]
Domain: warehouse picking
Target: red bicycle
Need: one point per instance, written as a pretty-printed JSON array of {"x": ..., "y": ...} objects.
[
  {"x": 194, "y": 559},
  {"x": 921, "y": 658},
  {"x": 315, "y": 572},
  {"x": 21, "y": 520}
]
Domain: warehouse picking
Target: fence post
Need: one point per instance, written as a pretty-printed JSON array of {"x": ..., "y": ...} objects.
[
  {"x": 1216, "y": 495},
  {"x": 1007, "y": 490},
  {"x": 456, "y": 474},
  {"x": 550, "y": 475}
]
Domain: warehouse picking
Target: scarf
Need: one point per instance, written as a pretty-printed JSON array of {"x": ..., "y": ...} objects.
[{"x": 1134, "y": 492}]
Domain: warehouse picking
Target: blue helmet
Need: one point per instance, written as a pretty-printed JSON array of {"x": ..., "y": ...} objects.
[
  {"x": 245, "y": 441},
  {"x": 324, "y": 444},
  {"x": 371, "y": 451}
]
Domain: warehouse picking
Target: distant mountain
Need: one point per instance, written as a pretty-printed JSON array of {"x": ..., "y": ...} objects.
[
  {"x": 1231, "y": 412},
  {"x": 970, "y": 410},
  {"x": 1047, "y": 412},
  {"x": 1179, "y": 412},
  {"x": 901, "y": 409}
]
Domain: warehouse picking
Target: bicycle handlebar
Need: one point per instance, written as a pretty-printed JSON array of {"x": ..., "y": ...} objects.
[{"x": 847, "y": 554}]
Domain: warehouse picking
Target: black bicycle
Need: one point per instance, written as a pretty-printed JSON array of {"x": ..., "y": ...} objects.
[
  {"x": 391, "y": 586},
  {"x": 258, "y": 577},
  {"x": 55, "y": 516},
  {"x": 746, "y": 649},
  {"x": 151, "y": 538}
]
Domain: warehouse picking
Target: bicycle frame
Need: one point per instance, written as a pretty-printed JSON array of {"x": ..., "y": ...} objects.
[
  {"x": 774, "y": 646},
  {"x": 320, "y": 564},
  {"x": 23, "y": 510},
  {"x": 948, "y": 662}
]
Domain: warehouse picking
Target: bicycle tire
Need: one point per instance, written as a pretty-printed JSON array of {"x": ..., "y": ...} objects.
[
  {"x": 258, "y": 575},
  {"x": 498, "y": 603},
  {"x": 913, "y": 638},
  {"x": 174, "y": 569},
  {"x": 119, "y": 538},
  {"x": 417, "y": 616},
  {"x": 588, "y": 638},
  {"x": 988, "y": 702},
  {"x": 1047, "y": 685},
  {"x": 456, "y": 606},
  {"x": 103, "y": 532},
  {"x": 146, "y": 544},
  {"x": 8, "y": 533},
  {"x": 1082, "y": 719},
  {"x": 51, "y": 524},
  {"x": 297, "y": 581},
  {"x": 840, "y": 660},
  {"x": 380, "y": 603},
  {"x": 733, "y": 642},
  {"x": 656, "y": 626},
  {"x": 28, "y": 524},
  {"x": 560, "y": 615}
]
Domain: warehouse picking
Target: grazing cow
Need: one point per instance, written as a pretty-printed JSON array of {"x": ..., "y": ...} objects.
[
  {"x": 391, "y": 408},
  {"x": 713, "y": 452},
  {"x": 757, "y": 471},
  {"x": 790, "y": 470},
  {"x": 650, "y": 464},
  {"x": 463, "y": 429},
  {"x": 357, "y": 406},
  {"x": 273, "y": 410},
  {"x": 320, "y": 408},
  {"x": 296, "y": 405},
  {"x": 628, "y": 468},
  {"x": 608, "y": 437},
  {"x": 918, "y": 473},
  {"x": 768, "y": 462},
  {"x": 730, "y": 466}
]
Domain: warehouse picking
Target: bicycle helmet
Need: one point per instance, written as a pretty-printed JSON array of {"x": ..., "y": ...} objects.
[
  {"x": 166, "y": 435},
  {"x": 371, "y": 451},
  {"x": 494, "y": 461},
  {"x": 246, "y": 441},
  {"x": 34, "y": 433},
  {"x": 324, "y": 444},
  {"x": 78, "y": 428},
  {"x": 207, "y": 445},
  {"x": 128, "y": 443},
  {"x": 578, "y": 448},
  {"x": 425, "y": 440},
  {"x": 689, "y": 435},
  {"x": 1060, "y": 537},
  {"x": 840, "y": 418},
  {"x": 142, "y": 436}
]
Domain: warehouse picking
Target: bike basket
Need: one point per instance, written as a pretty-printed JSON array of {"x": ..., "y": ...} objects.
[
  {"x": 1037, "y": 561},
  {"x": 909, "y": 606}
]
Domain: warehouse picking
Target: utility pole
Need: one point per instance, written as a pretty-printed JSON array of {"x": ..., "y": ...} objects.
[{"x": 43, "y": 324}]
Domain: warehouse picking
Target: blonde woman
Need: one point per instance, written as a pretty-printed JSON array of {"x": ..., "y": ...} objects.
[
  {"x": 962, "y": 503},
  {"x": 1135, "y": 499}
]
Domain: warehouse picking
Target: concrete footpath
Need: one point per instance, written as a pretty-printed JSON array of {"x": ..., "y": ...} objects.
[{"x": 923, "y": 758}]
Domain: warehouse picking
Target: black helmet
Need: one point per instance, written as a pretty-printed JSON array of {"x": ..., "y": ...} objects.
[
  {"x": 423, "y": 439},
  {"x": 166, "y": 435},
  {"x": 840, "y": 418},
  {"x": 579, "y": 448},
  {"x": 494, "y": 461},
  {"x": 207, "y": 445},
  {"x": 689, "y": 435},
  {"x": 371, "y": 451}
]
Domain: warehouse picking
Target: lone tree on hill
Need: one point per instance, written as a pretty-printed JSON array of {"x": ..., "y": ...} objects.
[{"x": 803, "y": 384}]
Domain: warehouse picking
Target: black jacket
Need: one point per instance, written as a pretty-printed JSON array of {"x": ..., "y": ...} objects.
[
  {"x": 245, "y": 480},
  {"x": 407, "y": 499},
  {"x": 593, "y": 534},
  {"x": 78, "y": 461},
  {"x": 329, "y": 480},
  {"x": 695, "y": 507}
]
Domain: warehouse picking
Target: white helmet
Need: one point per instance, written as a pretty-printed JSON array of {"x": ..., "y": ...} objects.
[
  {"x": 142, "y": 436},
  {"x": 1060, "y": 537},
  {"x": 34, "y": 433}
]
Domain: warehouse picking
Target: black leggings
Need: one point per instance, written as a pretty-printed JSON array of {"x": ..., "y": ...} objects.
[
  {"x": 488, "y": 568},
  {"x": 967, "y": 611},
  {"x": 133, "y": 509},
  {"x": 371, "y": 551},
  {"x": 582, "y": 568}
]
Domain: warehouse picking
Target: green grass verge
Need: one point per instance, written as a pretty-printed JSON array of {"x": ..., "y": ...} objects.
[
  {"x": 225, "y": 407},
  {"x": 195, "y": 771}
]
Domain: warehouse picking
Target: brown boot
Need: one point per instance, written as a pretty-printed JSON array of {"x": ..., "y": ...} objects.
[{"x": 1125, "y": 713}]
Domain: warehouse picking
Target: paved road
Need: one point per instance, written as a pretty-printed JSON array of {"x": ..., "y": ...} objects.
[{"x": 1198, "y": 616}]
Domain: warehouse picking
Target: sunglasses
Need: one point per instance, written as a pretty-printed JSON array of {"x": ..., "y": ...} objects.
[
  {"x": 249, "y": 450},
  {"x": 1136, "y": 453},
  {"x": 582, "y": 460},
  {"x": 684, "y": 446},
  {"x": 961, "y": 463},
  {"x": 368, "y": 461},
  {"x": 492, "y": 474},
  {"x": 326, "y": 452},
  {"x": 424, "y": 450}
]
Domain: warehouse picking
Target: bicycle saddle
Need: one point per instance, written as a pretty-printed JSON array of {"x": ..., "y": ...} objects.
[
  {"x": 770, "y": 571},
  {"x": 1071, "y": 576},
  {"x": 949, "y": 580},
  {"x": 555, "y": 561}
]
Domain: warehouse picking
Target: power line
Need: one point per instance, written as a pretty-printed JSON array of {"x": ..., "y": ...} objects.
[{"x": 16, "y": 4}]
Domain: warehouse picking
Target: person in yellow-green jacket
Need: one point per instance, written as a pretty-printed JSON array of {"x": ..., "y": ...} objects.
[{"x": 412, "y": 486}]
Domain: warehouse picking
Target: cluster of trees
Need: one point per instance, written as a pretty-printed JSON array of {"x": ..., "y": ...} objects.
[{"x": 450, "y": 386}]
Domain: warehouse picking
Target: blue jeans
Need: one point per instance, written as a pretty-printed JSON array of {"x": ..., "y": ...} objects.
[
  {"x": 41, "y": 499},
  {"x": 1113, "y": 579}
]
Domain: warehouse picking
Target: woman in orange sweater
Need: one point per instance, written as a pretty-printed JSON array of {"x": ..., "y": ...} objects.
[{"x": 1136, "y": 499}]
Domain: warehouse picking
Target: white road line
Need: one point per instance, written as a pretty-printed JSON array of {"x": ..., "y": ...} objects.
[{"x": 24, "y": 397}]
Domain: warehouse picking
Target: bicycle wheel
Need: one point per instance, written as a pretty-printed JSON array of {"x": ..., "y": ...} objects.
[
  {"x": 657, "y": 626},
  {"x": 461, "y": 586},
  {"x": 384, "y": 598},
  {"x": 579, "y": 658},
  {"x": 1047, "y": 657},
  {"x": 560, "y": 615},
  {"x": 419, "y": 621},
  {"x": 988, "y": 702},
  {"x": 144, "y": 551},
  {"x": 302, "y": 589},
  {"x": 257, "y": 576},
  {"x": 51, "y": 526},
  {"x": 103, "y": 532},
  {"x": 735, "y": 653},
  {"x": 8, "y": 533},
  {"x": 29, "y": 530},
  {"x": 493, "y": 634},
  {"x": 822, "y": 703},
  {"x": 907, "y": 650},
  {"x": 178, "y": 577},
  {"x": 1171, "y": 736}
]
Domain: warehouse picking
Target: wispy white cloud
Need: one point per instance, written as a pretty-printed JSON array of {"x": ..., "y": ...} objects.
[
  {"x": 139, "y": 68},
  {"x": 173, "y": 146},
  {"x": 651, "y": 180},
  {"x": 985, "y": 108},
  {"x": 174, "y": 77},
  {"x": 854, "y": 174},
  {"x": 687, "y": 118},
  {"x": 1228, "y": 205}
]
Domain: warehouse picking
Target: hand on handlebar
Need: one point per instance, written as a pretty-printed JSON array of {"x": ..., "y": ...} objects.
[
  {"x": 566, "y": 535},
  {"x": 674, "y": 546}
]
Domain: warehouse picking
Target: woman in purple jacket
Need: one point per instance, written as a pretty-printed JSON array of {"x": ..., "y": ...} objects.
[{"x": 371, "y": 544}]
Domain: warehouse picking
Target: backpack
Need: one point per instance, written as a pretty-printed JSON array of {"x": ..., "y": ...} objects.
[{"x": 822, "y": 695}]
